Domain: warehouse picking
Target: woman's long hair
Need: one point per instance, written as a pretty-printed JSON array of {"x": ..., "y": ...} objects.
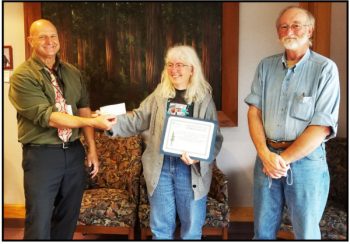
[{"x": 197, "y": 87}]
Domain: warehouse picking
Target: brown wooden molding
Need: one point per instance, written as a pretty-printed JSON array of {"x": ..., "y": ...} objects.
[
  {"x": 246, "y": 214},
  {"x": 237, "y": 214},
  {"x": 321, "y": 36},
  {"x": 228, "y": 117},
  {"x": 14, "y": 215},
  {"x": 241, "y": 214},
  {"x": 14, "y": 211},
  {"x": 32, "y": 12}
]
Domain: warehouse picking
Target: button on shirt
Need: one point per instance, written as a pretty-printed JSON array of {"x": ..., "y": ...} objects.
[{"x": 291, "y": 99}]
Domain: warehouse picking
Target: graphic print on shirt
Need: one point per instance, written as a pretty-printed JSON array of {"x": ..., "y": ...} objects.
[
  {"x": 178, "y": 109},
  {"x": 178, "y": 106}
]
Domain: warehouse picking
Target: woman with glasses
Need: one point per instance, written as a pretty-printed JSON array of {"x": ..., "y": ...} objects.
[{"x": 175, "y": 185}]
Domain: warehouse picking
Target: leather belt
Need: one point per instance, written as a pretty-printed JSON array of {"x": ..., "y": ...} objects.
[
  {"x": 278, "y": 144},
  {"x": 64, "y": 145}
]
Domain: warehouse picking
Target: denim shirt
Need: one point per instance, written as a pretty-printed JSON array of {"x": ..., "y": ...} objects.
[{"x": 291, "y": 99}]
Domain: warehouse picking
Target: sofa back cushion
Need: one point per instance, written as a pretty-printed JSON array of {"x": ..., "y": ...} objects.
[
  {"x": 120, "y": 161},
  {"x": 337, "y": 158}
]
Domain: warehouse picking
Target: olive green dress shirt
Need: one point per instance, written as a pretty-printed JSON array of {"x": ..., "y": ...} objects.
[{"x": 32, "y": 94}]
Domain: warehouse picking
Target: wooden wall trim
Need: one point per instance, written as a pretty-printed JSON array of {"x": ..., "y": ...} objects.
[
  {"x": 230, "y": 36},
  {"x": 321, "y": 37},
  {"x": 14, "y": 211},
  {"x": 237, "y": 214},
  {"x": 32, "y": 12}
]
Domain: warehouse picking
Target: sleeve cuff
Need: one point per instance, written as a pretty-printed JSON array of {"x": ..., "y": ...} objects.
[
  {"x": 253, "y": 99},
  {"x": 109, "y": 132},
  {"x": 45, "y": 122},
  {"x": 324, "y": 119}
]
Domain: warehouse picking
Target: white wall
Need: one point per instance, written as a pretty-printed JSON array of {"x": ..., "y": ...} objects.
[
  {"x": 257, "y": 39},
  {"x": 13, "y": 173}
]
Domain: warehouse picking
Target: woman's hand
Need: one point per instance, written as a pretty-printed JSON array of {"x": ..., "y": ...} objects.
[{"x": 187, "y": 160}]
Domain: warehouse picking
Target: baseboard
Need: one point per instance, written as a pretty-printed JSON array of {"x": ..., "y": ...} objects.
[
  {"x": 237, "y": 214},
  {"x": 246, "y": 215},
  {"x": 14, "y": 211},
  {"x": 13, "y": 215},
  {"x": 241, "y": 214}
]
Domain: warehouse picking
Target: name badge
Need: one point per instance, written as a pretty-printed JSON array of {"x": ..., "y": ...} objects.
[{"x": 69, "y": 109}]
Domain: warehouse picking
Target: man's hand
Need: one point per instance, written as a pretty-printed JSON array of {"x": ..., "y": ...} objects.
[
  {"x": 274, "y": 165},
  {"x": 92, "y": 163},
  {"x": 187, "y": 160},
  {"x": 104, "y": 122}
]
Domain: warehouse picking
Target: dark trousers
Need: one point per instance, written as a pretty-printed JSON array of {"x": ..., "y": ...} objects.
[{"x": 54, "y": 181}]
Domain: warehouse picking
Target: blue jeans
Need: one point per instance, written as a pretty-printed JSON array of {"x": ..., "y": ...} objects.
[
  {"x": 174, "y": 194},
  {"x": 304, "y": 191}
]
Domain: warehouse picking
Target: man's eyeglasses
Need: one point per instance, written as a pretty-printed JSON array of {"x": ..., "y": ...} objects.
[
  {"x": 176, "y": 66},
  {"x": 293, "y": 27}
]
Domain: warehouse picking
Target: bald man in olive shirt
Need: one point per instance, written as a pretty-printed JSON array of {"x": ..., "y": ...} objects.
[{"x": 52, "y": 103}]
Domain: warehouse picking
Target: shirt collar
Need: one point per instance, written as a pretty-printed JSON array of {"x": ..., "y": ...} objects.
[
  {"x": 297, "y": 65},
  {"x": 40, "y": 65}
]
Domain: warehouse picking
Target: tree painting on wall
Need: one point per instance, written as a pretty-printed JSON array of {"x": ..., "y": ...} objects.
[{"x": 120, "y": 46}]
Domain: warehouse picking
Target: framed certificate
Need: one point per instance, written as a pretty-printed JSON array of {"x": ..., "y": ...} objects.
[{"x": 194, "y": 136}]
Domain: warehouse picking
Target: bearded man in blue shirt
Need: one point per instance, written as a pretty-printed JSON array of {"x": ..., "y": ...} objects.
[{"x": 293, "y": 110}]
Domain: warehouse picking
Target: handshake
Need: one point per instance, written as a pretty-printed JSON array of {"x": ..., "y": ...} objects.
[{"x": 103, "y": 122}]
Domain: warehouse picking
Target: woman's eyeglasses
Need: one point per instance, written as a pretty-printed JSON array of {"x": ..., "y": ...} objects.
[{"x": 176, "y": 66}]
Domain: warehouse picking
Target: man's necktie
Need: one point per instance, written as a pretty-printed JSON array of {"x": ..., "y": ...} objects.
[{"x": 61, "y": 105}]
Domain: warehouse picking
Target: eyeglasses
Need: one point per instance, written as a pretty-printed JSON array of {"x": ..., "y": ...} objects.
[
  {"x": 177, "y": 65},
  {"x": 293, "y": 27}
]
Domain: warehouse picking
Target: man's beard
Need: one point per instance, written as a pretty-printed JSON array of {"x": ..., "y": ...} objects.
[{"x": 293, "y": 43}]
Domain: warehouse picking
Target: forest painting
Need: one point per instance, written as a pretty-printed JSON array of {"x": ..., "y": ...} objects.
[{"x": 120, "y": 46}]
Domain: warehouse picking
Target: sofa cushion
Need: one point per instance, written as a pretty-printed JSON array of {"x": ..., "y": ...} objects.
[
  {"x": 217, "y": 213},
  {"x": 120, "y": 163},
  {"x": 107, "y": 207},
  {"x": 333, "y": 224}
]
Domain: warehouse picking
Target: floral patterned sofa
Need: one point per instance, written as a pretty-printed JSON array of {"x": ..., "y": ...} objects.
[
  {"x": 217, "y": 218},
  {"x": 110, "y": 201},
  {"x": 333, "y": 224}
]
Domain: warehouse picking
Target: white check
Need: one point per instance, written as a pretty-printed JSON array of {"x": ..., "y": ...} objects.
[
  {"x": 115, "y": 109},
  {"x": 189, "y": 135}
]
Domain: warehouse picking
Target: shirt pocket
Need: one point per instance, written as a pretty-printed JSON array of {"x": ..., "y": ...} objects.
[{"x": 302, "y": 107}]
